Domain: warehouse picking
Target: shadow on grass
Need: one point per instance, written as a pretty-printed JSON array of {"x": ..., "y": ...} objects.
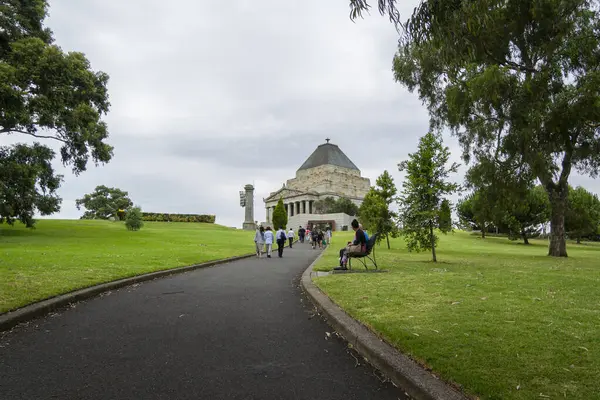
[{"x": 13, "y": 232}]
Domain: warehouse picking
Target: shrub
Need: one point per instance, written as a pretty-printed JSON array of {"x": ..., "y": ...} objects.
[
  {"x": 208, "y": 219},
  {"x": 133, "y": 220}
]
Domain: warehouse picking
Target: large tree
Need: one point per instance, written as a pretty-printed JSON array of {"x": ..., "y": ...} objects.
[
  {"x": 423, "y": 190},
  {"x": 583, "y": 214},
  {"x": 375, "y": 209},
  {"x": 48, "y": 94},
  {"x": 516, "y": 80},
  {"x": 104, "y": 203}
]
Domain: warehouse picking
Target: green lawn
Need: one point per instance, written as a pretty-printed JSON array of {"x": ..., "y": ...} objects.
[
  {"x": 499, "y": 318},
  {"x": 63, "y": 255}
]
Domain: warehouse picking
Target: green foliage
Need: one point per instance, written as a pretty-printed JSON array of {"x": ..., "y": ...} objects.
[
  {"x": 104, "y": 203},
  {"x": 444, "y": 219},
  {"x": 375, "y": 213},
  {"x": 48, "y": 94},
  {"x": 27, "y": 183},
  {"x": 583, "y": 213},
  {"x": 423, "y": 190},
  {"x": 466, "y": 214},
  {"x": 525, "y": 214},
  {"x": 330, "y": 205},
  {"x": 133, "y": 219},
  {"x": 516, "y": 81},
  {"x": 346, "y": 206},
  {"x": 164, "y": 217},
  {"x": 280, "y": 217}
]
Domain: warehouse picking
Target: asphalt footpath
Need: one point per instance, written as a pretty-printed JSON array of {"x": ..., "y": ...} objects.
[{"x": 242, "y": 330}]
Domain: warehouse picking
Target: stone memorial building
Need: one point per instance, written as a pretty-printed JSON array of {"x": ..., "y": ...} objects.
[{"x": 328, "y": 172}]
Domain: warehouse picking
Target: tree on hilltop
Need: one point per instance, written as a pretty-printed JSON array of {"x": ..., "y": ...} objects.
[
  {"x": 47, "y": 94},
  {"x": 423, "y": 189},
  {"x": 104, "y": 203},
  {"x": 522, "y": 85}
]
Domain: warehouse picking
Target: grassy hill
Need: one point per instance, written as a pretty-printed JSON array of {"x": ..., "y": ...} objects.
[
  {"x": 63, "y": 255},
  {"x": 500, "y": 318}
]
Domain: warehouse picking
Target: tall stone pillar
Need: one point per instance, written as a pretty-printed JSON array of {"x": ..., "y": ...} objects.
[
  {"x": 267, "y": 216},
  {"x": 249, "y": 224}
]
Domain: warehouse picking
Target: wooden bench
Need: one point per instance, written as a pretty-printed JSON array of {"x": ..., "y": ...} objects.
[{"x": 369, "y": 254}]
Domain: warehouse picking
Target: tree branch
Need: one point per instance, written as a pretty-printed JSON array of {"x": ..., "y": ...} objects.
[{"x": 8, "y": 130}]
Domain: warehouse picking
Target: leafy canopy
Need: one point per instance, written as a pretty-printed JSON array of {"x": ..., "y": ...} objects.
[
  {"x": 516, "y": 81},
  {"x": 330, "y": 205},
  {"x": 583, "y": 213},
  {"x": 423, "y": 189},
  {"x": 104, "y": 203},
  {"x": 45, "y": 93}
]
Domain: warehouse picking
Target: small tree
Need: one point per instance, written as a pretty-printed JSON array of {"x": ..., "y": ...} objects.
[
  {"x": 280, "y": 217},
  {"x": 104, "y": 203},
  {"x": 133, "y": 220},
  {"x": 583, "y": 213},
  {"x": 375, "y": 209},
  {"x": 373, "y": 212},
  {"x": 423, "y": 189}
]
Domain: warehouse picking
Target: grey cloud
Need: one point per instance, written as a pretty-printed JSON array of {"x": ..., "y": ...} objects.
[{"x": 208, "y": 96}]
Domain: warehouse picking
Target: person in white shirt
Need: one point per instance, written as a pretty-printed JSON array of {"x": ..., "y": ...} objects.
[
  {"x": 280, "y": 236},
  {"x": 290, "y": 236},
  {"x": 259, "y": 239},
  {"x": 269, "y": 238}
]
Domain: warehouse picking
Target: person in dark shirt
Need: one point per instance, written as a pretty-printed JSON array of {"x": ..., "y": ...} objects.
[{"x": 359, "y": 245}]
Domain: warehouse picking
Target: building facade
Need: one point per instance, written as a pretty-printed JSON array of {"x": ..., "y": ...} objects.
[{"x": 328, "y": 172}]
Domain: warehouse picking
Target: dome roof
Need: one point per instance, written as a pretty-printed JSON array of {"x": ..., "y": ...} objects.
[{"x": 328, "y": 154}]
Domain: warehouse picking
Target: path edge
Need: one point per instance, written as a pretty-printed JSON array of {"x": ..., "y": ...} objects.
[
  {"x": 404, "y": 372},
  {"x": 11, "y": 319}
]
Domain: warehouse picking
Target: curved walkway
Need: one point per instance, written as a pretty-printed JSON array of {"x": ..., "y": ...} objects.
[{"x": 241, "y": 330}]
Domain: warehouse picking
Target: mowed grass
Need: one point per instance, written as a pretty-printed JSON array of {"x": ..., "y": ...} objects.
[
  {"x": 499, "y": 318},
  {"x": 63, "y": 255}
]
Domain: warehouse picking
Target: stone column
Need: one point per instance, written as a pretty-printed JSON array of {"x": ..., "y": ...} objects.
[{"x": 249, "y": 224}]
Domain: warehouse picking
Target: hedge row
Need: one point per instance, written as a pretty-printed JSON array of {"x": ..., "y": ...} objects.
[{"x": 162, "y": 217}]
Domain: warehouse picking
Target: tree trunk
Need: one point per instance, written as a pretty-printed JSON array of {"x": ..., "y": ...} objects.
[
  {"x": 557, "y": 193},
  {"x": 483, "y": 231},
  {"x": 524, "y": 235},
  {"x": 578, "y": 240},
  {"x": 388, "y": 240},
  {"x": 432, "y": 242}
]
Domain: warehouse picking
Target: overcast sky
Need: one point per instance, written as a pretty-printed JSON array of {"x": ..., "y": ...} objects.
[{"x": 208, "y": 96}]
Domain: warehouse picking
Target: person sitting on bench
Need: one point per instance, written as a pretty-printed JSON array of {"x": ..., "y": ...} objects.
[{"x": 359, "y": 245}]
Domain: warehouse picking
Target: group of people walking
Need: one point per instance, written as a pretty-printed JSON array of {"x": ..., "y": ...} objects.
[{"x": 265, "y": 238}]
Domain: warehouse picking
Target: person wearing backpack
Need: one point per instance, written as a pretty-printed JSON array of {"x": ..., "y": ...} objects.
[{"x": 281, "y": 237}]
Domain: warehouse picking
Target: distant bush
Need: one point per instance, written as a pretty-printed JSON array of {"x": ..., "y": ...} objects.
[
  {"x": 133, "y": 219},
  {"x": 208, "y": 219}
]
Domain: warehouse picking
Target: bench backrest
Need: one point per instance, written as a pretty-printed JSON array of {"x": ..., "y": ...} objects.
[{"x": 371, "y": 242}]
